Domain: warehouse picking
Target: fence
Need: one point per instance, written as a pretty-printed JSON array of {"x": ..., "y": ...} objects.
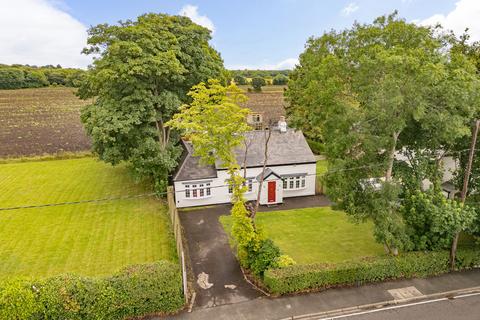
[
  {"x": 177, "y": 231},
  {"x": 319, "y": 189}
]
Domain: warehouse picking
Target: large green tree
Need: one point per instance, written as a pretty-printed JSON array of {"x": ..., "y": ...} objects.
[
  {"x": 372, "y": 92},
  {"x": 141, "y": 75}
]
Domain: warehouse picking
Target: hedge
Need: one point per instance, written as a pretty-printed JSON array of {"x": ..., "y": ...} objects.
[
  {"x": 408, "y": 265},
  {"x": 135, "y": 291},
  {"x": 317, "y": 147}
]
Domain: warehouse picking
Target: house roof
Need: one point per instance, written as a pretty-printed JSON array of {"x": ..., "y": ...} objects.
[
  {"x": 268, "y": 173},
  {"x": 284, "y": 148},
  {"x": 190, "y": 167}
]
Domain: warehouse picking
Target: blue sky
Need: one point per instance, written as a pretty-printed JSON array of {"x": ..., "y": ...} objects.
[{"x": 248, "y": 34}]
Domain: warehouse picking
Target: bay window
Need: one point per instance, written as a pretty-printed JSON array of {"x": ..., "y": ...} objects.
[
  {"x": 294, "y": 182},
  {"x": 197, "y": 191}
]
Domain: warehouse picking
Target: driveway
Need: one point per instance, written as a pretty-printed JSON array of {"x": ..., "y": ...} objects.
[{"x": 219, "y": 280}]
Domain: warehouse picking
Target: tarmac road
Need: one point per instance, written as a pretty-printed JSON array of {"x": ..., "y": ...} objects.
[{"x": 466, "y": 307}]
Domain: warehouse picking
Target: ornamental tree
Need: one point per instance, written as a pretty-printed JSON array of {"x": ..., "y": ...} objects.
[
  {"x": 372, "y": 91},
  {"x": 214, "y": 122},
  {"x": 141, "y": 75}
]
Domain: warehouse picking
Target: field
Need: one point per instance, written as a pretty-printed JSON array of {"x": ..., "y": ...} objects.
[
  {"x": 41, "y": 121},
  {"x": 47, "y": 120},
  {"x": 270, "y": 102},
  {"x": 87, "y": 239},
  {"x": 317, "y": 235}
]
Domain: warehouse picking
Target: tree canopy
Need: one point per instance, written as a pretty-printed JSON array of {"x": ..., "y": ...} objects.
[
  {"x": 280, "y": 79},
  {"x": 141, "y": 77},
  {"x": 375, "y": 91},
  {"x": 25, "y": 76},
  {"x": 214, "y": 122},
  {"x": 258, "y": 83}
]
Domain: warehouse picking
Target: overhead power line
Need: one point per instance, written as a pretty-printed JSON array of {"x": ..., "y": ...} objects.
[{"x": 159, "y": 193}]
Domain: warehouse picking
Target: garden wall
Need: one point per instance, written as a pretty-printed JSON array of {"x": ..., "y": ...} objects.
[{"x": 298, "y": 278}]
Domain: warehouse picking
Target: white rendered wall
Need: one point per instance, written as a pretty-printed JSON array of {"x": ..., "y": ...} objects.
[{"x": 219, "y": 189}]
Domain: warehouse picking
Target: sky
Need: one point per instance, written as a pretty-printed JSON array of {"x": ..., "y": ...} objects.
[{"x": 261, "y": 34}]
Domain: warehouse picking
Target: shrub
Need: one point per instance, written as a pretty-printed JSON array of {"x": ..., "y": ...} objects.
[
  {"x": 408, "y": 265},
  {"x": 11, "y": 78},
  {"x": 145, "y": 289},
  {"x": 17, "y": 300},
  {"x": 258, "y": 83},
  {"x": 239, "y": 80},
  {"x": 317, "y": 147},
  {"x": 264, "y": 258},
  {"x": 284, "y": 261},
  {"x": 280, "y": 79},
  {"x": 134, "y": 291}
]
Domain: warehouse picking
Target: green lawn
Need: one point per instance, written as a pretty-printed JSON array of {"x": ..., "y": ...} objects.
[
  {"x": 87, "y": 239},
  {"x": 317, "y": 235}
]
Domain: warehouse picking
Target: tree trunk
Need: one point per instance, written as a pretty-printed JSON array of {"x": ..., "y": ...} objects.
[
  {"x": 163, "y": 134},
  {"x": 245, "y": 158},
  {"x": 391, "y": 157},
  {"x": 388, "y": 177},
  {"x": 466, "y": 177},
  {"x": 262, "y": 175}
]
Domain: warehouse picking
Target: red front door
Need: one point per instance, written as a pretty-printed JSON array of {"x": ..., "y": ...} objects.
[{"x": 271, "y": 191}]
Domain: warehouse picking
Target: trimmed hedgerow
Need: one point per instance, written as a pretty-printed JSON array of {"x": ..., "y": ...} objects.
[
  {"x": 408, "y": 265},
  {"x": 135, "y": 291}
]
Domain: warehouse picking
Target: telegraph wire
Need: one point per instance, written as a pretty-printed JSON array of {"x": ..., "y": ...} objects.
[{"x": 107, "y": 199}]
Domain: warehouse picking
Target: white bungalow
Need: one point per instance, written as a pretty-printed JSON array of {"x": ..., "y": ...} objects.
[{"x": 290, "y": 172}]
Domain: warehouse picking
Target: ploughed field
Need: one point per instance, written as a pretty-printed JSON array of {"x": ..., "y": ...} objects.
[
  {"x": 41, "y": 121},
  {"x": 47, "y": 120},
  {"x": 96, "y": 238}
]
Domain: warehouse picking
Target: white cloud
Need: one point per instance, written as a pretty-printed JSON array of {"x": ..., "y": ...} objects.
[
  {"x": 465, "y": 15},
  {"x": 349, "y": 9},
  {"x": 192, "y": 12},
  {"x": 38, "y": 32},
  {"x": 282, "y": 65}
]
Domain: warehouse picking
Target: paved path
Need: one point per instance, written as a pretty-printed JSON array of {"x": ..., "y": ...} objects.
[
  {"x": 219, "y": 280},
  {"x": 333, "y": 299}
]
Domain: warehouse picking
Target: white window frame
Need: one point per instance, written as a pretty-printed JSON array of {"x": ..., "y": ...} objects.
[
  {"x": 248, "y": 182},
  {"x": 294, "y": 182},
  {"x": 198, "y": 190}
]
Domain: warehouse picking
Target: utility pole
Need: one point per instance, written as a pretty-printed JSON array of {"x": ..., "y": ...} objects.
[{"x": 463, "y": 196}]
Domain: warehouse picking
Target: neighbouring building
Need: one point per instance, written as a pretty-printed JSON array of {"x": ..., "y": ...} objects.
[
  {"x": 291, "y": 169},
  {"x": 266, "y": 108}
]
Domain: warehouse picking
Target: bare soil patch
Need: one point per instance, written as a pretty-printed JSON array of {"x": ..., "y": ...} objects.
[{"x": 41, "y": 121}]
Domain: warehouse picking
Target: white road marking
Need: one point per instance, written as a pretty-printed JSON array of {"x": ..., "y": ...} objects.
[{"x": 395, "y": 307}]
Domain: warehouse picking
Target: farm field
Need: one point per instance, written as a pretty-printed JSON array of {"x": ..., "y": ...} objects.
[
  {"x": 41, "y": 121},
  {"x": 47, "y": 120},
  {"x": 86, "y": 239},
  {"x": 317, "y": 235},
  {"x": 270, "y": 102}
]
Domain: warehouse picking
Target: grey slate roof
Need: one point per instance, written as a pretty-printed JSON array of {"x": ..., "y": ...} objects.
[
  {"x": 191, "y": 168},
  {"x": 284, "y": 148},
  {"x": 268, "y": 172}
]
